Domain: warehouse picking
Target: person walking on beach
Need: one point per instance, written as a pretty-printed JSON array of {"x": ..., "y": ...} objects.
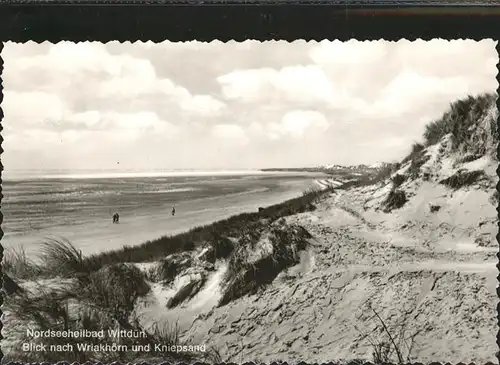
[
  {"x": 173, "y": 211},
  {"x": 116, "y": 218}
]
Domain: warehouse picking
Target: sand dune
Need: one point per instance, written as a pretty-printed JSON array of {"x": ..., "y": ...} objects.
[
  {"x": 326, "y": 278},
  {"x": 354, "y": 264},
  {"x": 427, "y": 265}
]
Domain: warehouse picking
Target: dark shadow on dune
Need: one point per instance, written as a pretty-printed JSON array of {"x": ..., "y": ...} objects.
[
  {"x": 462, "y": 178},
  {"x": 246, "y": 276}
]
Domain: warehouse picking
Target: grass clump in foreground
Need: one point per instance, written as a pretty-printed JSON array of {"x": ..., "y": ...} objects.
[
  {"x": 61, "y": 258},
  {"x": 16, "y": 264},
  {"x": 462, "y": 178},
  {"x": 102, "y": 301},
  {"x": 86, "y": 299},
  {"x": 115, "y": 288},
  {"x": 57, "y": 258}
]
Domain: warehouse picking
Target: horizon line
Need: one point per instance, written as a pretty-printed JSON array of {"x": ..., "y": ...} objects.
[{"x": 135, "y": 174}]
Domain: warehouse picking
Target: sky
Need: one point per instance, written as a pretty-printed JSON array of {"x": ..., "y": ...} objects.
[{"x": 193, "y": 105}]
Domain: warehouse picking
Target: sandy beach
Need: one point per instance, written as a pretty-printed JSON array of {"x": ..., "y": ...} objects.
[
  {"x": 250, "y": 202},
  {"x": 140, "y": 223}
]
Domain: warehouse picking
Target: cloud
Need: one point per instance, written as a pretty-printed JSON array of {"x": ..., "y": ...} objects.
[
  {"x": 231, "y": 133},
  {"x": 175, "y": 60},
  {"x": 145, "y": 85},
  {"x": 409, "y": 90},
  {"x": 86, "y": 75},
  {"x": 294, "y": 83},
  {"x": 90, "y": 119},
  {"x": 32, "y": 108},
  {"x": 141, "y": 122},
  {"x": 89, "y": 105},
  {"x": 302, "y": 86},
  {"x": 204, "y": 105},
  {"x": 293, "y": 125},
  {"x": 298, "y": 123}
]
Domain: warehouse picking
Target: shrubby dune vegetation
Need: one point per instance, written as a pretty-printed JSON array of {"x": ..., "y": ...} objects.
[{"x": 294, "y": 264}]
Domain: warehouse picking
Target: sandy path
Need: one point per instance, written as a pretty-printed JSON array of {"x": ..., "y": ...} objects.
[{"x": 445, "y": 295}]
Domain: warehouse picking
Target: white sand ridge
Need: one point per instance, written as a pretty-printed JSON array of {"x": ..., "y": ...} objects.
[
  {"x": 426, "y": 266},
  {"x": 411, "y": 265},
  {"x": 445, "y": 295},
  {"x": 429, "y": 270}
]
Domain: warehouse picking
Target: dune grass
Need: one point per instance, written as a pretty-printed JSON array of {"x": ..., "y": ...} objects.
[
  {"x": 115, "y": 287},
  {"x": 61, "y": 258},
  {"x": 416, "y": 164},
  {"x": 113, "y": 290},
  {"x": 48, "y": 309},
  {"x": 417, "y": 158},
  {"x": 391, "y": 347},
  {"x": 386, "y": 171},
  {"x": 16, "y": 264},
  {"x": 459, "y": 120},
  {"x": 58, "y": 257},
  {"x": 470, "y": 139},
  {"x": 102, "y": 301},
  {"x": 495, "y": 198},
  {"x": 62, "y": 310},
  {"x": 467, "y": 157},
  {"x": 398, "y": 179},
  {"x": 395, "y": 200},
  {"x": 390, "y": 344},
  {"x": 462, "y": 178},
  {"x": 220, "y": 247},
  {"x": 416, "y": 149}
]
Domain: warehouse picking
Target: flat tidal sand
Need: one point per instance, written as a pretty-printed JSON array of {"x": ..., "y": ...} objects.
[{"x": 144, "y": 217}]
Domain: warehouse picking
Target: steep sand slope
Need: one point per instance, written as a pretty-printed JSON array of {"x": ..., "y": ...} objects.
[
  {"x": 318, "y": 311},
  {"x": 424, "y": 262},
  {"x": 427, "y": 266}
]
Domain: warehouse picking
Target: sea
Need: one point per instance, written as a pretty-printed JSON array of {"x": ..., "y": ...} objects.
[{"x": 78, "y": 208}]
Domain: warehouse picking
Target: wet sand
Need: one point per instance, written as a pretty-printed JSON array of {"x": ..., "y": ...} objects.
[{"x": 148, "y": 224}]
